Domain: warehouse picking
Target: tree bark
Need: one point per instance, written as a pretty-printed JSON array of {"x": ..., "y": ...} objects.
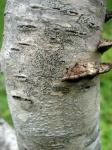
[
  {"x": 43, "y": 39},
  {"x": 8, "y": 139}
]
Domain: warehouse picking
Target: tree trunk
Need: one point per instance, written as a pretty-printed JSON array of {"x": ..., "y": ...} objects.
[
  {"x": 7, "y": 137},
  {"x": 52, "y": 107}
]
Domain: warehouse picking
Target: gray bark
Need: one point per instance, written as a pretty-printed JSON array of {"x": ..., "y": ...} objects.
[
  {"x": 42, "y": 39},
  {"x": 7, "y": 137}
]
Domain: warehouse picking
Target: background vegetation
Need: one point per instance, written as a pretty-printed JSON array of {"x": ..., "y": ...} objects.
[{"x": 106, "y": 86}]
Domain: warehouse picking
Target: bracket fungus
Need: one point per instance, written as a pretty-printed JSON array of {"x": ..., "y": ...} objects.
[
  {"x": 104, "y": 45},
  {"x": 85, "y": 70},
  {"x": 89, "y": 70}
]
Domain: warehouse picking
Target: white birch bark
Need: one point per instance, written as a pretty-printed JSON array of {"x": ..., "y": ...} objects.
[
  {"x": 8, "y": 139},
  {"x": 43, "y": 38}
]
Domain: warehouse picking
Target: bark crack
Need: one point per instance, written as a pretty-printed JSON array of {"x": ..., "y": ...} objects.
[
  {"x": 20, "y": 98},
  {"x": 26, "y": 28},
  {"x": 21, "y": 77},
  {"x": 24, "y": 44},
  {"x": 15, "y": 49},
  {"x": 37, "y": 6}
]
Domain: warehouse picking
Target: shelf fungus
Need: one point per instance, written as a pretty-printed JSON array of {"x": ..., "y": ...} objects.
[
  {"x": 108, "y": 16},
  {"x": 85, "y": 70},
  {"x": 104, "y": 45}
]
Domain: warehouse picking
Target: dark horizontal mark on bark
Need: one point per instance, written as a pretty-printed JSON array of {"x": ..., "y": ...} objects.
[
  {"x": 26, "y": 27},
  {"x": 69, "y": 12},
  {"x": 63, "y": 89},
  {"x": 58, "y": 33},
  {"x": 57, "y": 146},
  {"x": 73, "y": 12},
  {"x": 104, "y": 45},
  {"x": 108, "y": 16},
  {"x": 21, "y": 77},
  {"x": 87, "y": 87},
  {"x": 15, "y": 49},
  {"x": 74, "y": 31},
  {"x": 85, "y": 70},
  {"x": 19, "y": 98},
  {"x": 57, "y": 8},
  {"x": 37, "y": 6},
  {"x": 78, "y": 135},
  {"x": 71, "y": 30},
  {"x": 66, "y": 10},
  {"x": 24, "y": 44}
]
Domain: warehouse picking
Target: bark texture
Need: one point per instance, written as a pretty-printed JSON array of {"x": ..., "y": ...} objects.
[
  {"x": 8, "y": 139},
  {"x": 42, "y": 39}
]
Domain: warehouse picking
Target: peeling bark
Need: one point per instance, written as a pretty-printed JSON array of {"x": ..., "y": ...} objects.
[{"x": 42, "y": 39}]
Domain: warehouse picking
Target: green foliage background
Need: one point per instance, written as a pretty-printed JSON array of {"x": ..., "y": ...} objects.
[{"x": 106, "y": 86}]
